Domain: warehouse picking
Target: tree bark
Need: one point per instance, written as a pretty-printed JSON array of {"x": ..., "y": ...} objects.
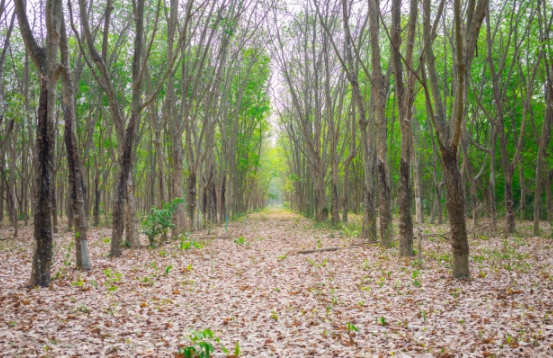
[
  {"x": 379, "y": 88},
  {"x": 77, "y": 186},
  {"x": 404, "y": 103},
  {"x": 48, "y": 69}
]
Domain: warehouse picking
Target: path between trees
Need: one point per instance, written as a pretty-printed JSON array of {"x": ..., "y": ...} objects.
[{"x": 253, "y": 288}]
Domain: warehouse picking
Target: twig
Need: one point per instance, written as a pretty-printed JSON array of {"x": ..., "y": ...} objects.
[{"x": 325, "y": 249}]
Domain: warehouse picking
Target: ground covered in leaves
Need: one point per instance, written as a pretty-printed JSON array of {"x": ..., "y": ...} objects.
[{"x": 249, "y": 285}]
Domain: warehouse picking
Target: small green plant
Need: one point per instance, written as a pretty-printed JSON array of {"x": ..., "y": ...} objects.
[
  {"x": 186, "y": 242},
  {"x": 202, "y": 345},
  {"x": 112, "y": 276},
  {"x": 274, "y": 315},
  {"x": 159, "y": 220},
  {"x": 351, "y": 328},
  {"x": 79, "y": 282},
  {"x": 282, "y": 257},
  {"x": 414, "y": 276},
  {"x": 240, "y": 241},
  {"x": 382, "y": 321},
  {"x": 167, "y": 269}
]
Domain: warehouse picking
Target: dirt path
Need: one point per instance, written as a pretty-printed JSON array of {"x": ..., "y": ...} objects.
[{"x": 248, "y": 284}]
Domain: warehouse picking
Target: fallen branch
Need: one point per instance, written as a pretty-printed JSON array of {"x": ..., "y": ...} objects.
[{"x": 325, "y": 249}]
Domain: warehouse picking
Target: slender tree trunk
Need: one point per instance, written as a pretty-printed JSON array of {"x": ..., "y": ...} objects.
[
  {"x": 322, "y": 211},
  {"x": 379, "y": 92},
  {"x": 97, "y": 197},
  {"x": 542, "y": 148},
  {"x": 549, "y": 198},
  {"x": 493, "y": 209},
  {"x": 126, "y": 157},
  {"x": 54, "y": 203},
  {"x": 405, "y": 195},
  {"x": 2, "y": 189},
  {"x": 12, "y": 203},
  {"x": 77, "y": 186},
  {"x": 368, "y": 230},
  {"x": 508, "y": 185},
  {"x": 191, "y": 198},
  {"x": 522, "y": 191}
]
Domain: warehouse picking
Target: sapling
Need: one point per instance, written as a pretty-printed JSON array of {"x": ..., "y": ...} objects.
[{"x": 159, "y": 220}]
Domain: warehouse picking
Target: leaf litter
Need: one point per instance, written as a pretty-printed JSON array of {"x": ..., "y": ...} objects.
[{"x": 359, "y": 301}]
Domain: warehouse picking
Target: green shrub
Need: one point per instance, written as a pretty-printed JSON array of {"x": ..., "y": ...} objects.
[{"x": 159, "y": 220}]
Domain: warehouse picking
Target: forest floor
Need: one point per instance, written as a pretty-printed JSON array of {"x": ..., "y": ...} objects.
[{"x": 249, "y": 285}]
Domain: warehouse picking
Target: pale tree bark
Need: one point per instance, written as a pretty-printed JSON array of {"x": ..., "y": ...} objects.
[
  {"x": 379, "y": 92},
  {"x": 77, "y": 186}
]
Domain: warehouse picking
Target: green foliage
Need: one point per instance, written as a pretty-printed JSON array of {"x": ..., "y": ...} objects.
[
  {"x": 186, "y": 243},
  {"x": 112, "y": 277},
  {"x": 240, "y": 241},
  {"x": 202, "y": 345},
  {"x": 159, "y": 220},
  {"x": 351, "y": 328}
]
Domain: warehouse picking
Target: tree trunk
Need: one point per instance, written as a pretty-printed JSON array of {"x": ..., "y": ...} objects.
[
  {"x": 77, "y": 186},
  {"x": 191, "y": 198},
  {"x": 97, "y": 195},
  {"x": 549, "y": 198},
  {"x": 131, "y": 221},
  {"x": 522, "y": 204},
  {"x": 542, "y": 148},
  {"x": 179, "y": 217},
  {"x": 54, "y": 203},
  {"x": 126, "y": 156},
  {"x": 456, "y": 209},
  {"x": 42, "y": 257},
  {"x": 493, "y": 209},
  {"x": 379, "y": 93},
  {"x": 404, "y": 101},
  {"x": 322, "y": 210},
  {"x": 12, "y": 203}
]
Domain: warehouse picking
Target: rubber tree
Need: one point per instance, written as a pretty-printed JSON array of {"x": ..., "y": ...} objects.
[
  {"x": 448, "y": 131},
  {"x": 48, "y": 67}
]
